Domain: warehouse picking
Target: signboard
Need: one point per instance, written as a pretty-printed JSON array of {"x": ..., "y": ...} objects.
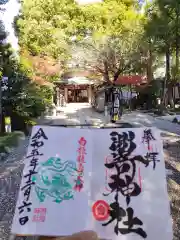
[
  {"x": 4, "y": 83},
  {"x": 111, "y": 181}
]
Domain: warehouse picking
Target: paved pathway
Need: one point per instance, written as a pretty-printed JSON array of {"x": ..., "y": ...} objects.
[
  {"x": 82, "y": 113},
  {"x": 10, "y": 171},
  {"x": 142, "y": 119},
  {"x": 10, "y": 177},
  {"x": 75, "y": 114}
]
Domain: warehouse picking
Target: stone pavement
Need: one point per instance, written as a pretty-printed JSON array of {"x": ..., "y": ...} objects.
[
  {"x": 76, "y": 114},
  {"x": 10, "y": 177},
  {"x": 143, "y": 119},
  {"x": 11, "y": 170},
  {"x": 82, "y": 113}
]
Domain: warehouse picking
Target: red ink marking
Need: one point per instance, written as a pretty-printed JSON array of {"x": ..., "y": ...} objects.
[
  {"x": 100, "y": 210},
  {"x": 82, "y": 141},
  {"x": 150, "y": 147},
  {"x": 79, "y": 182},
  {"x": 39, "y": 215},
  {"x": 140, "y": 179},
  {"x": 80, "y": 168},
  {"x": 81, "y": 158}
]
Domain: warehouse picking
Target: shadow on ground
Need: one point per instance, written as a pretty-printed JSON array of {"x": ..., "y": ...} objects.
[
  {"x": 84, "y": 116},
  {"x": 172, "y": 152},
  {"x": 141, "y": 119}
]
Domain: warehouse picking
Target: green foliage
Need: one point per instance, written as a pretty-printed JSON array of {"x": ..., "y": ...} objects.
[
  {"x": 108, "y": 39},
  {"x": 2, "y": 37},
  {"x": 158, "y": 27},
  {"x": 111, "y": 38},
  {"x": 41, "y": 26},
  {"x": 9, "y": 140},
  {"x": 30, "y": 122},
  {"x": 26, "y": 66},
  {"x": 49, "y": 27},
  {"x": 25, "y": 98},
  {"x": 20, "y": 94},
  {"x": 163, "y": 28}
]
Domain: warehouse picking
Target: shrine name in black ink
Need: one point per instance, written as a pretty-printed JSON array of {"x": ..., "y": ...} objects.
[
  {"x": 36, "y": 144},
  {"x": 117, "y": 214},
  {"x": 124, "y": 163}
]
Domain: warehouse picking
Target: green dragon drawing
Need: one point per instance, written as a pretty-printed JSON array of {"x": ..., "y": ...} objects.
[{"x": 55, "y": 179}]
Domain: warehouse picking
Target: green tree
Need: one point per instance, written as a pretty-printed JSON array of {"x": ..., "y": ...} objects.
[
  {"x": 20, "y": 95},
  {"x": 53, "y": 24},
  {"x": 2, "y": 38},
  {"x": 160, "y": 29},
  {"x": 108, "y": 39},
  {"x": 109, "y": 57}
]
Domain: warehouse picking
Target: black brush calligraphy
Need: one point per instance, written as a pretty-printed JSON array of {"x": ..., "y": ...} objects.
[
  {"x": 123, "y": 182},
  {"x": 37, "y": 141}
]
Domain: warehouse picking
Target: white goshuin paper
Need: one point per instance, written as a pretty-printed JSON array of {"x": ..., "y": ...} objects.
[
  {"x": 151, "y": 206},
  {"x": 70, "y": 216},
  {"x": 61, "y": 218}
]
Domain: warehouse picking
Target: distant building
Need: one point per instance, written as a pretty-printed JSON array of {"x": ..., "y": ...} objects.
[
  {"x": 72, "y": 88},
  {"x": 134, "y": 80}
]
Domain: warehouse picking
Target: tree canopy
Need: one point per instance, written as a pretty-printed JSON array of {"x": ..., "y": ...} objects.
[
  {"x": 19, "y": 94},
  {"x": 112, "y": 37},
  {"x": 54, "y": 28},
  {"x": 163, "y": 28}
]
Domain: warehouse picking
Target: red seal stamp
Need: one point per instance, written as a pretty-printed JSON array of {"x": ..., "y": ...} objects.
[
  {"x": 39, "y": 215},
  {"x": 100, "y": 210}
]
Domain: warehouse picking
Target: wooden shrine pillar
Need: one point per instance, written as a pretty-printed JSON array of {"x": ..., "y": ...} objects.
[
  {"x": 66, "y": 94},
  {"x": 58, "y": 96},
  {"x": 89, "y": 93}
]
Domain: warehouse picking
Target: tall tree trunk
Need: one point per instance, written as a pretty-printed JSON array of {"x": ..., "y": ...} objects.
[
  {"x": 177, "y": 43},
  {"x": 167, "y": 77},
  {"x": 3, "y": 124},
  {"x": 168, "y": 83},
  {"x": 149, "y": 64},
  {"x": 177, "y": 60},
  {"x": 18, "y": 123},
  {"x": 170, "y": 94},
  {"x": 116, "y": 75},
  {"x": 167, "y": 65},
  {"x": 106, "y": 73},
  {"x": 107, "y": 80}
]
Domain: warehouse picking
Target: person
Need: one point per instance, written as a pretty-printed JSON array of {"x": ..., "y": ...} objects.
[{"x": 84, "y": 235}]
